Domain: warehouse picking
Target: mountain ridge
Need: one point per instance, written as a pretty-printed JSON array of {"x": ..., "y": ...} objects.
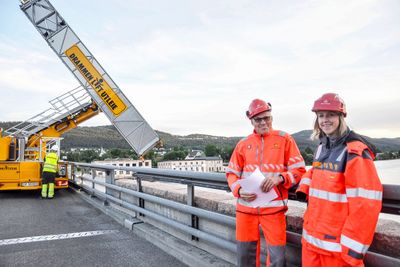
[{"x": 108, "y": 137}]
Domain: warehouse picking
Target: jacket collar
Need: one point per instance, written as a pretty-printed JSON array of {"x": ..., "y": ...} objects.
[
  {"x": 331, "y": 143},
  {"x": 261, "y": 136}
]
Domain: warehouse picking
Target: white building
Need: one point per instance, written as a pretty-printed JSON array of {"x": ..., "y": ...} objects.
[
  {"x": 198, "y": 164},
  {"x": 124, "y": 163}
]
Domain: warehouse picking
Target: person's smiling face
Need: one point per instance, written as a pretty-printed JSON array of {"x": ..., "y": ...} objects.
[
  {"x": 328, "y": 121},
  {"x": 262, "y": 122}
]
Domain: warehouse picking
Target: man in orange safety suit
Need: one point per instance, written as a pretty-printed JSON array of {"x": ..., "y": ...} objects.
[
  {"x": 343, "y": 191},
  {"x": 277, "y": 156}
]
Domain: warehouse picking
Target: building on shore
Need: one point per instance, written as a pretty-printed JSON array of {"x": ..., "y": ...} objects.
[
  {"x": 124, "y": 162},
  {"x": 196, "y": 164}
]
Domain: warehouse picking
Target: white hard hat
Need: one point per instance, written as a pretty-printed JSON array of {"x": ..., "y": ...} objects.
[{"x": 54, "y": 148}]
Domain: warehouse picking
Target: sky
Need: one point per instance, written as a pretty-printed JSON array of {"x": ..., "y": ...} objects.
[{"x": 194, "y": 66}]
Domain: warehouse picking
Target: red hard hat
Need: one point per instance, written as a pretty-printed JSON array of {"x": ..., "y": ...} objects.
[
  {"x": 256, "y": 107},
  {"x": 331, "y": 102}
]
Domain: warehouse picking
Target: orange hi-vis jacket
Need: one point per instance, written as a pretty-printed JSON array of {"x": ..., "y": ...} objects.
[
  {"x": 344, "y": 199},
  {"x": 274, "y": 153}
]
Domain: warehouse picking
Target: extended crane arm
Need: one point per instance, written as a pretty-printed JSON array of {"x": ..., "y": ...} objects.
[
  {"x": 70, "y": 122},
  {"x": 88, "y": 71}
]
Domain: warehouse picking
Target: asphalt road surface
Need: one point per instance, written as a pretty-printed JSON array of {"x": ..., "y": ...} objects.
[{"x": 67, "y": 231}]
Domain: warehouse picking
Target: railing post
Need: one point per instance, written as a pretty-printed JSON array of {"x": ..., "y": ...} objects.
[
  {"x": 140, "y": 189},
  {"x": 93, "y": 178},
  {"x": 194, "y": 220},
  {"x": 109, "y": 179},
  {"x": 82, "y": 171},
  {"x": 72, "y": 173}
]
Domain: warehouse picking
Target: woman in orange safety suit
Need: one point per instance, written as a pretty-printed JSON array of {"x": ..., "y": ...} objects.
[
  {"x": 276, "y": 155},
  {"x": 343, "y": 190}
]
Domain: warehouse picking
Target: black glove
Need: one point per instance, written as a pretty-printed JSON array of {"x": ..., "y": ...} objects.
[{"x": 302, "y": 197}]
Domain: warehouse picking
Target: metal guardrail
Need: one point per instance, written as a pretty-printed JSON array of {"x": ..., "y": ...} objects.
[{"x": 391, "y": 203}]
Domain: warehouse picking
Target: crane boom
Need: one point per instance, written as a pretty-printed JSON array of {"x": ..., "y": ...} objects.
[{"x": 88, "y": 71}]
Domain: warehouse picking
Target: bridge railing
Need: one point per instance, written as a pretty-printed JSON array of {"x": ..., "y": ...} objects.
[{"x": 112, "y": 193}]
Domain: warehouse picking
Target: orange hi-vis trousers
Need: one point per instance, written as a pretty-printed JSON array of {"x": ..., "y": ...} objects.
[
  {"x": 311, "y": 258},
  {"x": 248, "y": 237}
]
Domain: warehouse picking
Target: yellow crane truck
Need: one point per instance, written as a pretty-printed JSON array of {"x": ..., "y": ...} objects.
[{"x": 24, "y": 146}]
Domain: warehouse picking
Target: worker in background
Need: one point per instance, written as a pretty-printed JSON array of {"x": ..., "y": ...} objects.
[
  {"x": 343, "y": 191},
  {"x": 49, "y": 172},
  {"x": 277, "y": 156}
]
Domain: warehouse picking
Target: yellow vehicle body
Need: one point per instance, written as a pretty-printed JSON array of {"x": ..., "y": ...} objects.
[
  {"x": 27, "y": 176},
  {"x": 21, "y": 160}
]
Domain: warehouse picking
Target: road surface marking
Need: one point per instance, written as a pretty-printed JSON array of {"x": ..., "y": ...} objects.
[{"x": 39, "y": 238}]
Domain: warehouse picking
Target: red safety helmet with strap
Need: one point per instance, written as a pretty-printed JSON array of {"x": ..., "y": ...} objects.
[
  {"x": 256, "y": 107},
  {"x": 331, "y": 102}
]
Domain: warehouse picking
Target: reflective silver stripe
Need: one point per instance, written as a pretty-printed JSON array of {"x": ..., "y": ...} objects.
[
  {"x": 305, "y": 181},
  {"x": 271, "y": 166},
  {"x": 229, "y": 170},
  {"x": 365, "y": 193},
  {"x": 334, "y": 197},
  {"x": 50, "y": 166},
  {"x": 291, "y": 177},
  {"x": 295, "y": 158},
  {"x": 250, "y": 167},
  {"x": 319, "y": 149},
  {"x": 232, "y": 187},
  {"x": 266, "y": 174},
  {"x": 272, "y": 204},
  {"x": 341, "y": 154},
  {"x": 31, "y": 239},
  {"x": 296, "y": 165},
  {"x": 354, "y": 245},
  {"x": 233, "y": 165},
  {"x": 277, "y": 167},
  {"x": 327, "y": 245}
]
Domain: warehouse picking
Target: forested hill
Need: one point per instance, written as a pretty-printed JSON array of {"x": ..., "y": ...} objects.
[{"x": 108, "y": 137}]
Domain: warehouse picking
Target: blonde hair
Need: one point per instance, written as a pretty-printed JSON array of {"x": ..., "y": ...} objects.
[{"x": 340, "y": 131}]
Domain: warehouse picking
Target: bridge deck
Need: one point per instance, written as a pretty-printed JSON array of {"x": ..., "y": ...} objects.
[{"x": 67, "y": 231}]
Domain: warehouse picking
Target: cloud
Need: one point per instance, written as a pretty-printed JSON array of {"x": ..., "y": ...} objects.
[{"x": 195, "y": 66}]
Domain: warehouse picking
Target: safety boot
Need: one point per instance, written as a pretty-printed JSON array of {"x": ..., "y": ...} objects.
[
  {"x": 44, "y": 190},
  {"x": 51, "y": 190}
]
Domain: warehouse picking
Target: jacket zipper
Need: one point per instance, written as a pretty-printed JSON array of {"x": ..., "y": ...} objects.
[
  {"x": 261, "y": 159},
  {"x": 257, "y": 153},
  {"x": 262, "y": 151}
]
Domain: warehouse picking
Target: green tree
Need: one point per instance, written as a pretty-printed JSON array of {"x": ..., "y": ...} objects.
[
  {"x": 72, "y": 156},
  {"x": 226, "y": 153},
  {"x": 308, "y": 158},
  {"x": 308, "y": 151},
  {"x": 82, "y": 156},
  {"x": 152, "y": 156},
  {"x": 211, "y": 150},
  {"x": 175, "y": 155},
  {"x": 89, "y": 155},
  {"x": 115, "y": 153}
]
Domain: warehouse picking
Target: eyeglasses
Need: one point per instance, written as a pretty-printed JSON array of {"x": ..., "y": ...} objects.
[{"x": 266, "y": 119}]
